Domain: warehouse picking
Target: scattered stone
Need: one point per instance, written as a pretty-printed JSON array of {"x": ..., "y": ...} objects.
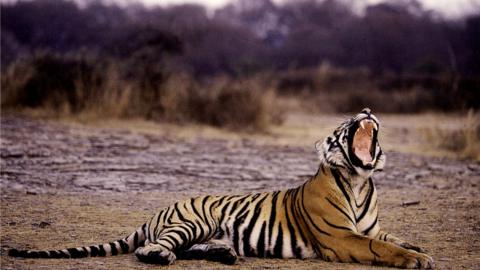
[{"x": 410, "y": 203}]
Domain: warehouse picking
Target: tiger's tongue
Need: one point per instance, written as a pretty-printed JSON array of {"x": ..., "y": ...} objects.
[{"x": 362, "y": 142}]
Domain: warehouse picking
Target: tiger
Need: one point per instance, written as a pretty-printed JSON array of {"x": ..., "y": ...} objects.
[{"x": 332, "y": 216}]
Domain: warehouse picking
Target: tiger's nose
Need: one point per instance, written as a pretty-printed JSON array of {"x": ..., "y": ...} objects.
[{"x": 367, "y": 111}]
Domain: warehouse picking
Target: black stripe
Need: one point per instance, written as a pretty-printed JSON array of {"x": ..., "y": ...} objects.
[
  {"x": 370, "y": 190},
  {"x": 135, "y": 240},
  {"x": 247, "y": 248},
  {"x": 354, "y": 259},
  {"x": 124, "y": 246},
  {"x": 371, "y": 249},
  {"x": 220, "y": 202},
  {"x": 346, "y": 157},
  {"x": 184, "y": 236},
  {"x": 344, "y": 180},
  {"x": 295, "y": 214},
  {"x": 75, "y": 253},
  {"x": 261, "y": 241},
  {"x": 101, "y": 251},
  {"x": 187, "y": 223},
  {"x": 113, "y": 249},
  {"x": 299, "y": 215},
  {"x": 204, "y": 204},
  {"x": 167, "y": 215},
  {"x": 223, "y": 212},
  {"x": 236, "y": 203},
  {"x": 195, "y": 210},
  {"x": 93, "y": 251},
  {"x": 144, "y": 231},
  {"x": 65, "y": 255},
  {"x": 199, "y": 226},
  {"x": 240, "y": 218},
  {"x": 336, "y": 226},
  {"x": 56, "y": 254},
  {"x": 273, "y": 215},
  {"x": 277, "y": 250},
  {"x": 293, "y": 239},
  {"x": 234, "y": 207},
  {"x": 336, "y": 176},
  {"x": 169, "y": 239},
  {"x": 179, "y": 213},
  {"x": 31, "y": 254},
  {"x": 164, "y": 213},
  {"x": 43, "y": 254},
  {"x": 364, "y": 185},
  {"x": 323, "y": 169},
  {"x": 341, "y": 210},
  {"x": 367, "y": 230},
  {"x": 149, "y": 235},
  {"x": 191, "y": 233},
  {"x": 367, "y": 205}
]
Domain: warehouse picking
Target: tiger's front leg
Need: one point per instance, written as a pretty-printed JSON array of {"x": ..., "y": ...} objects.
[
  {"x": 358, "y": 248},
  {"x": 381, "y": 235}
]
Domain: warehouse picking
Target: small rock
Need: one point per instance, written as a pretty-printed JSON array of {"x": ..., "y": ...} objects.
[{"x": 42, "y": 224}]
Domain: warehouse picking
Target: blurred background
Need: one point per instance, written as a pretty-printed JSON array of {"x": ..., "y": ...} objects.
[{"x": 242, "y": 64}]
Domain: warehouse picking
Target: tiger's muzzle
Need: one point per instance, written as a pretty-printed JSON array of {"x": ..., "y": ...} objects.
[{"x": 363, "y": 142}]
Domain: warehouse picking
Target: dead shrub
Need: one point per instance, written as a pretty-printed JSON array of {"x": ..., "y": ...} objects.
[
  {"x": 236, "y": 104},
  {"x": 62, "y": 83}
]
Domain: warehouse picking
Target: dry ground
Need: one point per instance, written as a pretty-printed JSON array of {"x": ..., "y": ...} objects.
[{"x": 67, "y": 184}]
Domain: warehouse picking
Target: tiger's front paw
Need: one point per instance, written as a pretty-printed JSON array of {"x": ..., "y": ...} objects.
[
  {"x": 412, "y": 247},
  {"x": 415, "y": 260},
  {"x": 155, "y": 256}
]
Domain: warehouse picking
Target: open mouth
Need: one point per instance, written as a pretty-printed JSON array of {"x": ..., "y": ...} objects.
[{"x": 363, "y": 142}]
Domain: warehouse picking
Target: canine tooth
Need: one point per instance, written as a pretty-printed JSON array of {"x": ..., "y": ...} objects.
[
  {"x": 375, "y": 126},
  {"x": 362, "y": 123}
]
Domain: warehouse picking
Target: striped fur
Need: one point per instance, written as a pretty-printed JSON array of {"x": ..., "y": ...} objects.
[{"x": 333, "y": 216}]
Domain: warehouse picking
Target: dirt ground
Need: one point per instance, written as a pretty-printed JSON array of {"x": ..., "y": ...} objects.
[{"x": 70, "y": 184}]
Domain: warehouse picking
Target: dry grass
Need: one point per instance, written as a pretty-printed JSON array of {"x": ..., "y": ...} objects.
[
  {"x": 77, "y": 86},
  {"x": 339, "y": 90},
  {"x": 463, "y": 142}
]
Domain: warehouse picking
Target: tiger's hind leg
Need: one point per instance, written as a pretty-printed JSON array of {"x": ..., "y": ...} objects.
[{"x": 213, "y": 250}]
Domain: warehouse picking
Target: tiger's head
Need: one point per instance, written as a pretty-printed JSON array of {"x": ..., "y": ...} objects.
[{"x": 354, "y": 146}]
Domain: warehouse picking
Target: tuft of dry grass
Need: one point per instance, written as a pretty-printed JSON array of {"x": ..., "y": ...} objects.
[{"x": 463, "y": 142}]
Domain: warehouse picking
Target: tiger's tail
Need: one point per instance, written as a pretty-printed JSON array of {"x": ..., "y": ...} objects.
[{"x": 122, "y": 246}]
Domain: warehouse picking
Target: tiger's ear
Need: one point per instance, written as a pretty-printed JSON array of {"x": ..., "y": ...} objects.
[{"x": 318, "y": 145}]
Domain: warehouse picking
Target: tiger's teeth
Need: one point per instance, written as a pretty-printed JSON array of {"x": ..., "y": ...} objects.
[
  {"x": 362, "y": 123},
  {"x": 375, "y": 126}
]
